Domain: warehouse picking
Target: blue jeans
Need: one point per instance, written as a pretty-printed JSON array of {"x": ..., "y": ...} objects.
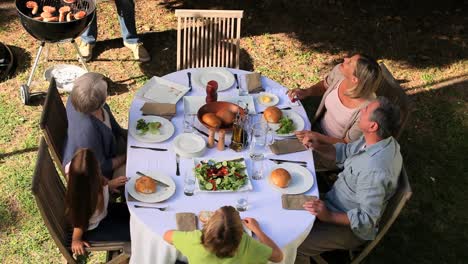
[{"x": 126, "y": 12}]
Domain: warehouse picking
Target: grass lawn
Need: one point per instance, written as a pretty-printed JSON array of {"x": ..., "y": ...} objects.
[{"x": 424, "y": 45}]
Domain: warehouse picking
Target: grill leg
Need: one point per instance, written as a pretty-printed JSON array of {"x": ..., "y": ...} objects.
[
  {"x": 36, "y": 61},
  {"x": 79, "y": 54}
]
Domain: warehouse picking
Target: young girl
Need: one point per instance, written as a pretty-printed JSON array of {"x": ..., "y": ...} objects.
[
  {"x": 87, "y": 204},
  {"x": 223, "y": 240}
]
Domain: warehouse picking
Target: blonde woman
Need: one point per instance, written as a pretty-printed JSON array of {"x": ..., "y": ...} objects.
[
  {"x": 348, "y": 88},
  {"x": 223, "y": 240}
]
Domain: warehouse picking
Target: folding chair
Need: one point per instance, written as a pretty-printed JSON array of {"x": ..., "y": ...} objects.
[
  {"x": 54, "y": 124},
  {"x": 208, "y": 38},
  {"x": 49, "y": 193},
  {"x": 394, "y": 206},
  {"x": 391, "y": 89}
]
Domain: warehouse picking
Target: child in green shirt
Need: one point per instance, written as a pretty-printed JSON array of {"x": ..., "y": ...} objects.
[{"x": 223, "y": 241}]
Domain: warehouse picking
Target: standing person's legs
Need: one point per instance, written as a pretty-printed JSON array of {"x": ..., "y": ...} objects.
[
  {"x": 88, "y": 40},
  {"x": 126, "y": 12},
  {"x": 90, "y": 34},
  {"x": 326, "y": 237}
]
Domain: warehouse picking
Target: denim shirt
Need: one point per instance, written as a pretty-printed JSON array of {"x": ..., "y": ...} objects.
[{"x": 368, "y": 180}]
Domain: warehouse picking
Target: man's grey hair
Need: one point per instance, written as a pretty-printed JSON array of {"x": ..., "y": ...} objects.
[
  {"x": 89, "y": 92},
  {"x": 387, "y": 116}
]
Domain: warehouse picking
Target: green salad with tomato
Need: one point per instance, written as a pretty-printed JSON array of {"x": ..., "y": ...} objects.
[{"x": 223, "y": 175}]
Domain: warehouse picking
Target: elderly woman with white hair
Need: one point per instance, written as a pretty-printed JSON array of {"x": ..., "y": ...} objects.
[{"x": 92, "y": 125}]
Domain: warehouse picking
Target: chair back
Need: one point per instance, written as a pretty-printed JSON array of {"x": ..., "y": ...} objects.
[
  {"x": 391, "y": 89},
  {"x": 394, "y": 206},
  {"x": 54, "y": 124},
  {"x": 208, "y": 38},
  {"x": 49, "y": 193}
]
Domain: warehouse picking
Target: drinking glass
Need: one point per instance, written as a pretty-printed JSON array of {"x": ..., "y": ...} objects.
[
  {"x": 188, "y": 122},
  {"x": 260, "y": 137},
  {"x": 242, "y": 202},
  {"x": 257, "y": 169},
  {"x": 189, "y": 183},
  {"x": 243, "y": 91}
]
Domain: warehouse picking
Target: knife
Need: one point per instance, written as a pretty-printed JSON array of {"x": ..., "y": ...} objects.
[
  {"x": 178, "y": 164},
  {"x": 158, "y": 181},
  {"x": 237, "y": 81},
  {"x": 292, "y": 161},
  {"x": 189, "y": 74},
  {"x": 206, "y": 135},
  {"x": 286, "y": 108},
  {"x": 155, "y": 149}
]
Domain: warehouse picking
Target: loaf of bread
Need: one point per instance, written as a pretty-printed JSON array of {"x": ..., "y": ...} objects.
[
  {"x": 145, "y": 185},
  {"x": 212, "y": 120},
  {"x": 272, "y": 114},
  {"x": 280, "y": 177}
]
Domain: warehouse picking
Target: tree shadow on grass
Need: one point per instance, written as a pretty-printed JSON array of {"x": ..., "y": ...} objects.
[
  {"x": 420, "y": 33},
  {"x": 432, "y": 227}
]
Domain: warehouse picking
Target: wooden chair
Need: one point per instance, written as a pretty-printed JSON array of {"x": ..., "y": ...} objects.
[
  {"x": 395, "y": 205},
  {"x": 54, "y": 124},
  {"x": 391, "y": 89},
  {"x": 208, "y": 38},
  {"x": 49, "y": 193}
]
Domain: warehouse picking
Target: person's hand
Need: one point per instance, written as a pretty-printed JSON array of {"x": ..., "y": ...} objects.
[
  {"x": 318, "y": 208},
  {"x": 303, "y": 133},
  {"x": 297, "y": 94},
  {"x": 115, "y": 183},
  {"x": 78, "y": 247},
  {"x": 309, "y": 139},
  {"x": 251, "y": 224}
]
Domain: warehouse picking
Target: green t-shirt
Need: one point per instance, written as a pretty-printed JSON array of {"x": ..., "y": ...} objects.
[{"x": 249, "y": 251}]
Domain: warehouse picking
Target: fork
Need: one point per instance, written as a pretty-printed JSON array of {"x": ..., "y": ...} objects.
[
  {"x": 150, "y": 207},
  {"x": 281, "y": 162},
  {"x": 177, "y": 163}
]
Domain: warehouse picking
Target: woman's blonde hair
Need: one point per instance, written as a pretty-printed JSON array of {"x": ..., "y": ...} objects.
[
  {"x": 222, "y": 234},
  {"x": 369, "y": 77}
]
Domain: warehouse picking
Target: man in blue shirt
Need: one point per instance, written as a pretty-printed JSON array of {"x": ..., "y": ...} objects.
[{"x": 350, "y": 213}]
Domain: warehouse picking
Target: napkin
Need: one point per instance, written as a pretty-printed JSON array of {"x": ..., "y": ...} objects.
[
  {"x": 286, "y": 146},
  {"x": 254, "y": 82},
  {"x": 160, "y": 109},
  {"x": 295, "y": 201},
  {"x": 186, "y": 221}
]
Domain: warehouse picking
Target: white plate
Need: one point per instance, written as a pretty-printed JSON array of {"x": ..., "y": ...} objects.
[
  {"x": 161, "y": 194},
  {"x": 274, "y": 99},
  {"x": 65, "y": 75},
  {"x": 193, "y": 103},
  {"x": 166, "y": 130},
  {"x": 189, "y": 145},
  {"x": 247, "y": 186},
  {"x": 299, "y": 123},
  {"x": 162, "y": 91},
  {"x": 223, "y": 77},
  {"x": 301, "y": 179}
]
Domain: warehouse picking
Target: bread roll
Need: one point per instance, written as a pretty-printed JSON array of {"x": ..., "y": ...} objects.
[
  {"x": 145, "y": 185},
  {"x": 226, "y": 116},
  {"x": 272, "y": 114},
  {"x": 204, "y": 216},
  {"x": 280, "y": 177},
  {"x": 212, "y": 120}
]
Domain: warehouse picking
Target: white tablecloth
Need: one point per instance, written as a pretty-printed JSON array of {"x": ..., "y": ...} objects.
[{"x": 288, "y": 228}]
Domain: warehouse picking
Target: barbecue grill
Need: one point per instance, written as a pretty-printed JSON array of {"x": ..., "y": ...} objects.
[{"x": 53, "y": 32}]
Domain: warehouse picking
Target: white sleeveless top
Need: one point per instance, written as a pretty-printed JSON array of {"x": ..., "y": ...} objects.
[
  {"x": 98, "y": 216},
  {"x": 336, "y": 117}
]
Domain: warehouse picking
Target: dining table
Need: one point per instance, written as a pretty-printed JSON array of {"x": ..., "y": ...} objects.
[{"x": 288, "y": 228}]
